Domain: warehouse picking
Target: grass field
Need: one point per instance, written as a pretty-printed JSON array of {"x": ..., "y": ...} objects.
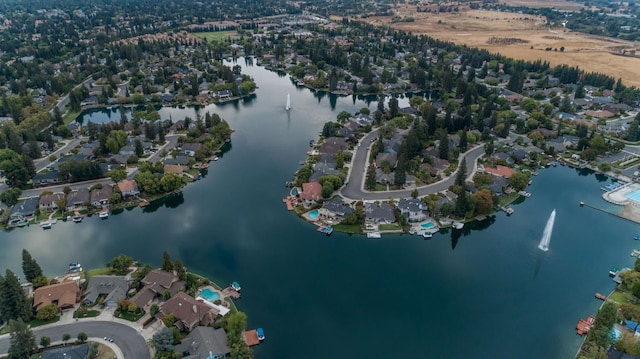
[
  {"x": 348, "y": 228},
  {"x": 216, "y": 35},
  {"x": 528, "y": 36},
  {"x": 70, "y": 116}
]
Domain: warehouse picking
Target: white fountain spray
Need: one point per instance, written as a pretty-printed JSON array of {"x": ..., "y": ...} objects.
[{"x": 546, "y": 235}]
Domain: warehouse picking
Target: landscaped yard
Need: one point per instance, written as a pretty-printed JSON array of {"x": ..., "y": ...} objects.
[
  {"x": 132, "y": 317},
  {"x": 389, "y": 227},
  {"x": 104, "y": 352},
  {"x": 620, "y": 297},
  {"x": 508, "y": 198},
  {"x": 348, "y": 228},
  {"x": 86, "y": 313},
  {"x": 37, "y": 322},
  {"x": 216, "y": 35},
  {"x": 99, "y": 271},
  {"x": 70, "y": 116}
]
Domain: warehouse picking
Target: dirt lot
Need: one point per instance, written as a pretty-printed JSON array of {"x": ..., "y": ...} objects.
[
  {"x": 523, "y": 36},
  {"x": 556, "y": 4}
]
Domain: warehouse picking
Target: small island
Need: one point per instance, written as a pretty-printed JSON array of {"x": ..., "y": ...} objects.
[{"x": 177, "y": 312}]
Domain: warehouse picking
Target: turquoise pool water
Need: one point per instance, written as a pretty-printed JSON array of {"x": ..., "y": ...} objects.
[
  {"x": 313, "y": 214},
  {"x": 427, "y": 225},
  {"x": 210, "y": 295},
  {"x": 635, "y": 195}
]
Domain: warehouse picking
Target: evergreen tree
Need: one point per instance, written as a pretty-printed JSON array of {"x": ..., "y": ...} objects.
[
  {"x": 462, "y": 202},
  {"x": 393, "y": 107},
  {"x": 30, "y": 267},
  {"x": 443, "y": 148},
  {"x": 23, "y": 342},
  {"x": 463, "y": 140},
  {"x": 462, "y": 172},
  {"x": 370, "y": 182},
  {"x": 14, "y": 303},
  {"x": 138, "y": 147},
  {"x": 167, "y": 265},
  {"x": 181, "y": 271}
]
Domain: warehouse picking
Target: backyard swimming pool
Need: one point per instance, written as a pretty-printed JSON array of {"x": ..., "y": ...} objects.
[
  {"x": 210, "y": 295},
  {"x": 427, "y": 225},
  {"x": 313, "y": 215}
]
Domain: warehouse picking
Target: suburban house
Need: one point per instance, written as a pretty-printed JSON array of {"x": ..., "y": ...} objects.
[
  {"x": 46, "y": 178},
  {"x": 155, "y": 284},
  {"x": 501, "y": 171},
  {"x": 189, "y": 149},
  {"x": 379, "y": 213},
  {"x": 204, "y": 342},
  {"x": 49, "y": 201},
  {"x": 101, "y": 196},
  {"x": 414, "y": 210},
  {"x": 71, "y": 352},
  {"x": 78, "y": 200},
  {"x": 178, "y": 160},
  {"x": 188, "y": 311},
  {"x": 112, "y": 288},
  {"x": 64, "y": 295},
  {"x": 128, "y": 188},
  {"x": 333, "y": 145},
  {"x": 311, "y": 192},
  {"x": 335, "y": 210},
  {"x": 24, "y": 210},
  {"x": 176, "y": 169}
]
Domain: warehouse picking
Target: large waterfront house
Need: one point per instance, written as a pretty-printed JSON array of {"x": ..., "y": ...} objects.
[
  {"x": 49, "y": 201},
  {"x": 311, "y": 192},
  {"x": 67, "y": 352},
  {"x": 101, "y": 196},
  {"x": 128, "y": 188},
  {"x": 64, "y": 295},
  {"x": 204, "y": 342},
  {"x": 24, "y": 210},
  {"x": 414, "y": 210},
  {"x": 335, "y": 210},
  {"x": 188, "y": 312},
  {"x": 155, "y": 284},
  {"x": 78, "y": 200},
  {"x": 379, "y": 213},
  {"x": 112, "y": 288}
]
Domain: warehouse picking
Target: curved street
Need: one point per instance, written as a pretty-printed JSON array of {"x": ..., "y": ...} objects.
[
  {"x": 354, "y": 187},
  {"x": 129, "y": 340}
]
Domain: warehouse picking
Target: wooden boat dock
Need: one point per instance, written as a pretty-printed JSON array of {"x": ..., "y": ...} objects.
[
  {"x": 601, "y": 296},
  {"x": 584, "y": 326}
]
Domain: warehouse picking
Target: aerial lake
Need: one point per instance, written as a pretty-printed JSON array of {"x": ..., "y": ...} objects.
[{"x": 485, "y": 292}]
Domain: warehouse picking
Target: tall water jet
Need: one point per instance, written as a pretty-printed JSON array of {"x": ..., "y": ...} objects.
[{"x": 546, "y": 235}]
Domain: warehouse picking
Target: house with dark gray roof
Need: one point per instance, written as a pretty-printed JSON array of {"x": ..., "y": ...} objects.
[
  {"x": 112, "y": 288},
  {"x": 204, "y": 343},
  {"x": 46, "y": 178},
  {"x": 333, "y": 145},
  {"x": 68, "y": 352},
  {"x": 414, "y": 210},
  {"x": 178, "y": 160},
  {"x": 392, "y": 158},
  {"x": 335, "y": 209},
  {"x": 78, "y": 200},
  {"x": 384, "y": 178},
  {"x": 155, "y": 283},
  {"x": 24, "y": 210},
  {"x": 379, "y": 213}
]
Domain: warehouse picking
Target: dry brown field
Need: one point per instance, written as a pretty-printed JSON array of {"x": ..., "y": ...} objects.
[
  {"x": 554, "y": 4},
  {"x": 522, "y": 36}
]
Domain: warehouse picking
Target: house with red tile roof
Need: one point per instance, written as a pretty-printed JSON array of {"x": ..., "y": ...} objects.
[
  {"x": 311, "y": 191},
  {"x": 501, "y": 171}
]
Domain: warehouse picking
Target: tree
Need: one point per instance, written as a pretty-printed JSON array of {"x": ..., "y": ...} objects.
[
  {"x": 443, "y": 147},
  {"x": 45, "y": 341},
  {"x": 82, "y": 337},
  {"x": 138, "y": 148},
  {"x": 370, "y": 181},
  {"x": 47, "y": 312},
  {"x": 154, "y": 309},
  {"x": 167, "y": 264},
  {"x": 30, "y": 267},
  {"x": 120, "y": 264},
  {"x": 169, "y": 320},
  {"x": 65, "y": 338},
  {"x": 484, "y": 201},
  {"x": 23, "y": 342},
  {"x": 10, "y": 196},
  {"x": 181, "y": 271},
  {"x": 461, "y": 176},
  {"x": 519, "y": 181},
  {"x": 14, "y": 303},
  {"x": 163, "y": 339},
  {"x": 462, "y": 202},
  {"x": 343, "y": 116}
]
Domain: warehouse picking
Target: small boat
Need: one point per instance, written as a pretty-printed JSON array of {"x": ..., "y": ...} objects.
[
  {"x": 22, "y": 223},
  {"x": 45, "y": 225},
  {"x": 288, "y": 106},
  {"x": 636, "y": 236},
  {"x": 104, "y": 214},
  {"x": 215, "y": 158},
  {"x": 374, "y": 235},
  {"x": 236, "y": 286},
  {"x": 260, "y": 334},
  {"x": 613, "y": 272},
  {"x": 458, "y": 225},
  {"x": 325, "y": 229},
  {"x": 427, "y": 235},
  {"x": 77, "y": 219}
]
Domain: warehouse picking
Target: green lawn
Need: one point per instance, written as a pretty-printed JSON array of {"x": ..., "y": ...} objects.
[
  {"x": 348, "y": 228},
  {"x": 98, "y": 271},
  {"x": 216, "y": 35},
  {"x": 88, "y": 314},
  {"x": 132, "y": 317},
  {"x": 508, "y": 198},
  {"x": 37, "y": 322},
  {"x": 70, "y": 116},
  {"x": 619, "y": 297},
  {"x": 389, "y": 227}
]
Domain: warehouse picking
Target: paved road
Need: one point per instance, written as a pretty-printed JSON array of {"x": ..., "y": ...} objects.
[
  {"x": 43, "y": 162},
  {"x": 126, "y": 338},
  {"x": 58, "y": 188},
  {"x": 354, "y": 187}
]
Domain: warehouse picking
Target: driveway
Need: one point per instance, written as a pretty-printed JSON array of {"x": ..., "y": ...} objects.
[{"x": 129, "y": 340}]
